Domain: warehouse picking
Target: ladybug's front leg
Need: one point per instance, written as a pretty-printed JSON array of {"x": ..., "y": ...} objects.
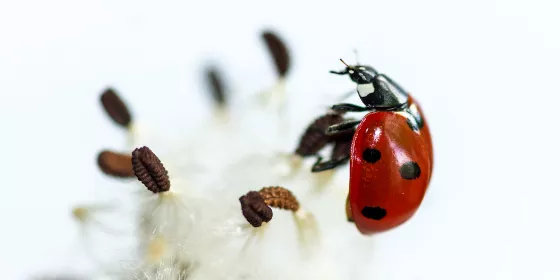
[{"x": 342, "y": 127}]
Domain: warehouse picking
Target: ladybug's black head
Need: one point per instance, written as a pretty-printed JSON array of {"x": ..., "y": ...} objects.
[
  {"x": 376, "y": 90},
  {"x": 359, "y": 74}
]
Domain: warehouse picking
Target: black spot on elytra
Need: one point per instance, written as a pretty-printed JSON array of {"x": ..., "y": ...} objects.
[
  {"x": 371, "y": 155},
  {"x": 374, "y": 213},
  {"x": 410, "y": 170}
]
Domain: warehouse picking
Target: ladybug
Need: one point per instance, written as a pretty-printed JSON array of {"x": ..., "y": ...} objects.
[{"x": 391, "y": 157}]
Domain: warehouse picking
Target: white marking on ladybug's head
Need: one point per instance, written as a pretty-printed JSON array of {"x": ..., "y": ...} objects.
[
  {"x": 365, "y": 89},
  {"x": 351, "y": 71}
]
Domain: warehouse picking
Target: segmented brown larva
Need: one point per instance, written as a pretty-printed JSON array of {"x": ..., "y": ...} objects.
[
  {"x": 116, "y": 108},
  {"x": 279, "y": 197},
  {"x": 115, "y": 164},
  {"x": 214, "y": 80},
  {"x": 278, "y": 51},
  {"x": 149, "y": 170},
  {"x": 315, "y": 138},
  {"x": 254, "y": 209}
]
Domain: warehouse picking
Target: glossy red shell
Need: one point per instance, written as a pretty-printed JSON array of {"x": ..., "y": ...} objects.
[{"x": 380, "y": 184}]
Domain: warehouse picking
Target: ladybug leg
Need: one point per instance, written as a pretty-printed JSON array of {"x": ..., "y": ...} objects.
[
  {"x": 342, "y": 127},
  {"x": 349, "y": 210},
  {"x": 347, "y": 107},
  {"x": 321, "y": 165}
]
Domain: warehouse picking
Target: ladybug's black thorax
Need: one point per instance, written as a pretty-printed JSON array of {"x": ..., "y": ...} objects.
[
  {"x": 382, "y": 93},
  {"x": 398, "y": 108}
]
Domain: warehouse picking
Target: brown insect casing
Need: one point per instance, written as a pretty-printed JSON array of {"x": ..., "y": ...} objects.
[
  {"x": 254, "y": 209},
  {"x": 115, "y": 164},
  {"x": 116, "y": 108},
  {"x": 278, "y": 51},
  {"x": 279, "y": 197},
  {"x": 315, "y": 138},
  {"x": 149, "y": 170},
  {"x": 215, "y": 81}
]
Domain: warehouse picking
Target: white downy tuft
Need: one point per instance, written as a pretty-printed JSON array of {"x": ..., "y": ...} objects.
[{"x": 196, "y": 230}]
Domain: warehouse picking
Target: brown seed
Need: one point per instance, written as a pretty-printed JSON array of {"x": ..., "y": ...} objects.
[
  {"x": 115, "y": 164},
  {"x": 254, "y": 209},
  {"x": 149, "y": 170},
  {"x": 278, "y": 51},
  {"x": 279, "y": 197},
  {"x": 342, "y": 145},
  {"x": 315, "y": 138},
  {"x": 115, "y": 108},
  {"x": 214, "y": 80}
]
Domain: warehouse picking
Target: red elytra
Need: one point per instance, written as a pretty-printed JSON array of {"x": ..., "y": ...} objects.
[{"x": 390, "y": 169}]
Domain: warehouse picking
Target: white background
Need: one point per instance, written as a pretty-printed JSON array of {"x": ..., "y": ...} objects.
[{"x": 485, "y": 72}]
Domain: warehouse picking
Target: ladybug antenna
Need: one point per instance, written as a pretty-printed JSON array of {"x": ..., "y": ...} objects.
[{"x": 344, "y": 72}]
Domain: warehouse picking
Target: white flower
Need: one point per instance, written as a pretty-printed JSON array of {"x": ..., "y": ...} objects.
[{"x": 196, "y": 229}]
